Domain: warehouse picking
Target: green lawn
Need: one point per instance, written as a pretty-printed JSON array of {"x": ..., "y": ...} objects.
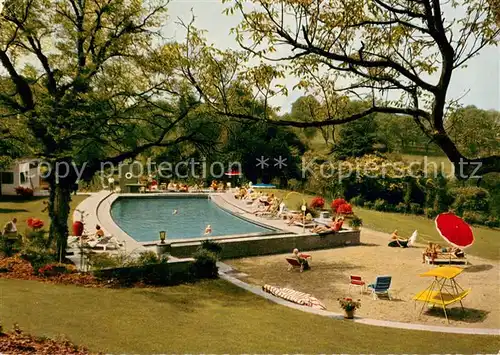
[
  {"x": 11, "y": 207},
  {"x": 209, "y": 317},
  {"x": 486, "y": 245}
]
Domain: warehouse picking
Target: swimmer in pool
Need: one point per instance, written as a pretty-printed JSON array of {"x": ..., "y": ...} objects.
[
  {"x": 175, "y": 212},
  {"x": 208, "y": 230}
]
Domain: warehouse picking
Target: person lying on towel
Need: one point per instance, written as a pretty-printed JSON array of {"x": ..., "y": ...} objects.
[
  {"x": 302, "y": 259},
  {"x": 397, "y": 241}
]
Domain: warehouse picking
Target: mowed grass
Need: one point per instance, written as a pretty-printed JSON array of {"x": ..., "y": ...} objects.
[
  {"x": 487, "y": 240},
  {"x": 11, "y": 207},
  {"x": 207, "y": 317}
]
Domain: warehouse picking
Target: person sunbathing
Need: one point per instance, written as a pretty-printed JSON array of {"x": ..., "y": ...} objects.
[
  {"x": 397, "y": 241},
  {"x": 431, "y": 252},
  {"x": 99, "y": 232},
  {"x": 302, "y": 259},
  {"x": 335, "y": 226},
  {"x": 299, "y": 217}
]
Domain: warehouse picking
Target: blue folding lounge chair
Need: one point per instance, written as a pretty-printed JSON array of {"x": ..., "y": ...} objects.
[{"x": 381, "y": 286}]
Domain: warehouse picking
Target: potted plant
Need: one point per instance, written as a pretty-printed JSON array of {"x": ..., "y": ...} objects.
[
  {"x": 349, "y": 306},
  {"x": 355, "y": 222}
]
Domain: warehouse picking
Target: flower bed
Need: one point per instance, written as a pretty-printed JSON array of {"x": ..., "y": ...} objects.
[{"x": 17, "y": 342}]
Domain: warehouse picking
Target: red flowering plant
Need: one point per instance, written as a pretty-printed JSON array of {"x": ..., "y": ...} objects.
[
  {"x": 345, "y": 209},
  {"x": 317, "y": 202},
  {"x": 54, "y": 269},
  {"x": 35, "y": 223},
  {"x": 348, "y": 304},
  {"x": 336, "y": 203}
]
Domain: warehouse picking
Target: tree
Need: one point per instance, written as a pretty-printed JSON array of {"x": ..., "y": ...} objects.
[
  {"x": 476, "y": 132},
  {"x": 309, "y": 109},
  {"x": 85, "y": 90},
  {"x": 386, "y": 51},
  {"x": 357, "y": 138}
]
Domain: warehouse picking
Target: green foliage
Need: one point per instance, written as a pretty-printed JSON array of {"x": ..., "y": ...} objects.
[
  {"x": 211, "y": 246},
  {"x": 473, "y": 199},
  {"x": 150, "y": 258},
  {"x": 355, "y": 221},
  {"x": 9, "y": 246},
  {"x": 357, "y": 201},
  {"x": 492, "y": 222},
  {"x": 204, "y": 265},
  {"x": 380, "y": 205},
  {"x": 357, "y": 138},
  {"x": 415, "y": 208},
  {"x": 474, "y": 217},
  {"x": 38, "y": 257}
]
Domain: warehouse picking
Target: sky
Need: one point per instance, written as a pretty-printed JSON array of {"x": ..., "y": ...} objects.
[{"x": 479, "y": 82}]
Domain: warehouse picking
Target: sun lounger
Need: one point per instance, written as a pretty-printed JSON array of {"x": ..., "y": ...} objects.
[
  {"x": 381, "y": 286},
  {"x": 104, "y": 243},
  {"x": 307, "y": 224},
  {"x": 446, "y": 258}
]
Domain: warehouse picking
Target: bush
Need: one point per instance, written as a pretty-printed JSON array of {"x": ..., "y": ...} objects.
[
  {"x": 336, "y": 203},
  {"x": 474, "y": 217},
  {"x": 415, "y": 208},
  {"x": 345, "y": 209},
  {"x": 470, "y": 198},
  {"x": 368, "y": 204},
  {"x": 38, "y": 257},
  {"x": 357, "y": 201},
  {"x": 318, "y": 202},
  {"x": 211, "y": 246},
  {"x": 401, "y": 208},
  {"x": 56, "y": 269},
  {"x": 380, "y": 205},
  {"x": 294, "y": 185},
  {"x": 24, "y": 191},
  {"x": 9, "y": 247},
  {"x": 356, "y": 222},
  {"x": 205, "y": 264},
  {"x": 99, "y": 261},
  {"x": 430, "y": 212},
  {"x": 492, "y": 222},
  {"x": 150, "y": 258}
]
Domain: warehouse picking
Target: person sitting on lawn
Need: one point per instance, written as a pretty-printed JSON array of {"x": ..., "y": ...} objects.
[
  {"x": 10, "y": 228},
  {"x": 304, "y": 264},
  {"x": 397, "y": 241}
]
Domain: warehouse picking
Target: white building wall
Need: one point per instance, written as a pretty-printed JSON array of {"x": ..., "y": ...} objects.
[{"x": 32, "y": 180}]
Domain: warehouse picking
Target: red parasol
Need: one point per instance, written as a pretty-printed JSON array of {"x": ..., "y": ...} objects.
[
  {"x": 454, "y": 230},
  {"x": 233, "y": 173}
]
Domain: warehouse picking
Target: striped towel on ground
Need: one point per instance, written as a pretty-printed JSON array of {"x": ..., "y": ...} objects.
[{"x": 301, "y": 298}]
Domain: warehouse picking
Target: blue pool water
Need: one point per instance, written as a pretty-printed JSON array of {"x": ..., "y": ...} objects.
[{"x": 143, "y": 218}]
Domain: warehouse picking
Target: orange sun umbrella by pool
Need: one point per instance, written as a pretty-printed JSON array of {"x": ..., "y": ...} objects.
[{"x": 454, "y": 230}]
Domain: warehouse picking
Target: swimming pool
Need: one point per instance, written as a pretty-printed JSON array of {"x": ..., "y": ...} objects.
[{"x": 143, "y": 218}]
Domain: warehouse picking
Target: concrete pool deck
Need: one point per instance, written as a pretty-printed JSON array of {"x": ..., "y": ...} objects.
[{"x": 282, "y": 237}]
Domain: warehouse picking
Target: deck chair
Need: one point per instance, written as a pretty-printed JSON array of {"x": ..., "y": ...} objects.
[
  {"x": 104, "y": 243},
  {"x": 381, "y": 286},
  {"x": 357, "y": 281},
  {"x": 294, "y": 264}
]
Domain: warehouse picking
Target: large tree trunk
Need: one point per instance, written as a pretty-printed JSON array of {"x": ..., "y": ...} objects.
[{"x": 59, "y": 209}]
